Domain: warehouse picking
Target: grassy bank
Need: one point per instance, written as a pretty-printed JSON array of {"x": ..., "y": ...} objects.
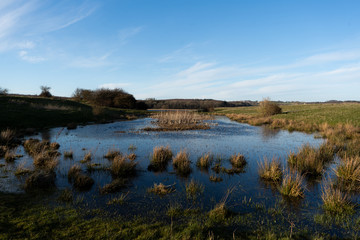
[
  {"x": 20, "y": 112},
  {"x": 330, "y": 113}
]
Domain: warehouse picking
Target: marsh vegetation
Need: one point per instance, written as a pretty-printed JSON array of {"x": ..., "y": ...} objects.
[{"x": 229, "y": 181}]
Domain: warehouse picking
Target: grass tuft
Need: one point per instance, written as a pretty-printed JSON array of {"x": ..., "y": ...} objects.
[
  {"x": 80, "y": 181},
  {"x": 292, "y": 186},
  {"x": 335, "y": 201},
  {"x": 348, "y": 173},
  {"x": 160, "y": 158},
  {"x": 122, "y": 167},
  {"x": 193, "y": 189},
  {"x": 214, "y": 178},
  {"x": 68, "y": 154},
  {"x": 111, "y": 154},
  {"x": 118, "y": 200},
  {"x": 238, "y": 161},
  {"x": 205, "y": 161},
  {"x": 40, "y": 180},
  {"x": 270, "y": 170},
  {"x": 161, "y": 189},
  {"x": 182, "y": 163},
  {"x": 115, "y": 186}
]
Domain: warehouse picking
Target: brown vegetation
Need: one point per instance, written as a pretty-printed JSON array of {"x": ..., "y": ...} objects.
[
  {"x": 122, "y": 167},
  {"x": 160, "y": 158},
  {"x": 270, "y": 170},
  {"x": 161, "y": 189},
  {"x": 269, "y": 108},
  {"x": 182, "y": 163}
]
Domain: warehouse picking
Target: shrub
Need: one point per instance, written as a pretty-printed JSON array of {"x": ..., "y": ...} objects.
[
  {"x": 269, "y": 108},
  {"x": 45, "y": 91},
  {"x": 117, "y": 98},
  {"x": 270, "y": 170},
  {"x": 4, "y": 91}
]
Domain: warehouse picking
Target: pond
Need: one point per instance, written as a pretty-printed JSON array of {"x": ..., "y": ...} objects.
[{"x": 225, "y": 138}]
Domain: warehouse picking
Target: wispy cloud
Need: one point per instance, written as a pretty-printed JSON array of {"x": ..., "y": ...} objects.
[
  {"x": 114, "y": 85},
  {"x": 180, "y": 54},
  {"x": 125, "y": 34},
  {"x": 91, "y": 62},
  {"x": 31, "y": 59}
]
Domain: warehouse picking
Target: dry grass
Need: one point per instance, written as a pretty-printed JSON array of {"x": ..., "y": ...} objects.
[
  {"x": 10, "y": 156},
  {"x": 348, "y": 173},
  {"x": 193, "y": 189},
  {"x": 179, "y": 120},
  {"x": 292, "y": 186},
  {"x": 115, "y": 186},
  {"x": 181, "y": 163},
  {"x": 34, "y": 147},
  {"x": 238, "y": 161},
  {"x": 87, "y": 158},
  {"x": 205, "y": 161},
  {"x": 112, "y": 153},
  {"x": 160, "y": 158},
  {"x": 7, "y": 136},
  {"x": 161, "y": 189},
  {"x": 131, "y": 156},
  {"x": 68, "y": 154},
  {"x": 79, "y": 180},
  {"x": 214, "y": 178},
  {"x": 40, "y": 179},
  {"x": 118, "y": 200},
  {"x": 45, "y": 160},
  {"x": 335, "y": 201},
  {"x": 311, "y": 161},
  {"x": 122, "y": 167},
  {"x": 22, "y": 170},
  {"x": 270, "y": 170}
]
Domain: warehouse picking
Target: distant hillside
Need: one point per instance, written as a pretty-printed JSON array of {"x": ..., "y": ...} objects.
[{"x": 204, "y": 104}]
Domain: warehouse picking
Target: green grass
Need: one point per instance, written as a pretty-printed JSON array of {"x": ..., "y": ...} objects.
[
  {"x": 309, "y": 113},
  {"x": 36, "y": 112}
]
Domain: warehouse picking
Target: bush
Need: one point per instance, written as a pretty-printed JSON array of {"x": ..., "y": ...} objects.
[
  {"x": 116, "y": 98},
  {"x": 45, "y": 91},
  {"x": 269, "y": 108},
  {"x": 3, "y": 91}
]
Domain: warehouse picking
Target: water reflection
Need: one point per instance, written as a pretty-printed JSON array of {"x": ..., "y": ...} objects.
[{"x": 268, "y": 133}]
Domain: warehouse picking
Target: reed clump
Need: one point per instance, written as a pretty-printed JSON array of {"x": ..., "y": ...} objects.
[
  {"x": 40, "y": 180},
  {"x": 118, "y": 200},
  {"x": 131, "y": 156},
  {"x": 219, "y": 213},
  {"x": 68, "y": 154},
  {"x": 45, "y": 160},
  {"x": 238, "y": 161},
  {"x": 181, "y": 163},
  {"x": 270, "y": 170},
  {"x": 311, "y": 161},
  {"x": 161, "y": 189},
  {"x": 35, "y": 146},
  {"x": 335, "y": 201},
  {"x": 10, "y": 156},
  {"x": 194, "y": 189},
  {"x": 122, "y": 167},
  {"x": 348, "y": 173},
  {"x": 112, "y": 153},
  {"x": 160, "y": 158},
  {"x": 7, "y": 137},
  {"x": 22, "y": 170},
  {"x": 80, "y": 181},
  {"x": 115, "y": 186},
  {"x": 87, "y": 158},
  {"x": 292, "y": 186},
  {"x": 179, "y": 120},
  {"x": 205, "y": 161},
  {"x": 214, "y": 178}
]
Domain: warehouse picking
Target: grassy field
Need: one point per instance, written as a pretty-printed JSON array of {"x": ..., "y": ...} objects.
[
  {"x": 308, "y": 113},
  {"x": 21, "y": 112}
]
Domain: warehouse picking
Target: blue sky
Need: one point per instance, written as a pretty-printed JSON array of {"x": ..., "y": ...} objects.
[{"x": 230, "y": 50}]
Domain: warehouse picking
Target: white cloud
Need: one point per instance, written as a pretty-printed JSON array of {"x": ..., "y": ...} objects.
[{"x": 32, "y": 59}]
